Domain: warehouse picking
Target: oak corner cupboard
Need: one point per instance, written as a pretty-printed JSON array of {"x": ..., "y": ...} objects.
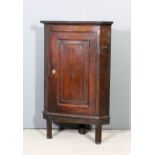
[{"x": 77, "y": 73}]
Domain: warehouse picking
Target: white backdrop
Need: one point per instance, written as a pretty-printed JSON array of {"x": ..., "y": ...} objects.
[{"x": 113, "y": 10}]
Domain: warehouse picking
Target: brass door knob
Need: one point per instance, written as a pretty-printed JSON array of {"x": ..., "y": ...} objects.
[{"x": 53, "y": 71}]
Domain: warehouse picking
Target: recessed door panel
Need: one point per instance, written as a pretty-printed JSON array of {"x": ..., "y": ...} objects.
[
  {"x": 72, "y": 58},
  {"x": 73, "y": 72}
]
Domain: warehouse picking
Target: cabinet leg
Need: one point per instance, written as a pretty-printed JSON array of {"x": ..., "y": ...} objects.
[
  {"x": 98, "y": 133},
  {"x": 49, "y": 129},
  {"x": 82, "y": 129}
]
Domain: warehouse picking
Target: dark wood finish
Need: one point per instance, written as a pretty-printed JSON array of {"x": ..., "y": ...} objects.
[
  {"x": 77, "y": 74},
  {"x": 78, "y": 22},
  {"x": 72, "y": 57},
  {"x": 78, "y": 119}
]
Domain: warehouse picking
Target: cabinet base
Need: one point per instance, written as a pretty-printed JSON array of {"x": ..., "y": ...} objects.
[{"x": 77, "y": 119}]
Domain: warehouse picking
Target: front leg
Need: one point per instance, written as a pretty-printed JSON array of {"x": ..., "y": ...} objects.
[
  {"x": 49, "y": 129},
  {"x": 98, "y": 133}
]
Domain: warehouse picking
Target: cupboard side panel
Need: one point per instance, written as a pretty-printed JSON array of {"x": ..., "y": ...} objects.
[
  {"x": 105, "y": 54},
  {"x": 46, "y": 70}
]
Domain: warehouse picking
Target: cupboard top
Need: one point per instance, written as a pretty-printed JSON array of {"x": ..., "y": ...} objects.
[{"x": 78, "y": 22}]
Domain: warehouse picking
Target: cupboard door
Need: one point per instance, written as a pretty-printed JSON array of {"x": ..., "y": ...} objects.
[{"x": 73, "y": 72}]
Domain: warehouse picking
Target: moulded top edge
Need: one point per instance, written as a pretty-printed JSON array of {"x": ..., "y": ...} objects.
[{"x": 78, "y": 22}]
